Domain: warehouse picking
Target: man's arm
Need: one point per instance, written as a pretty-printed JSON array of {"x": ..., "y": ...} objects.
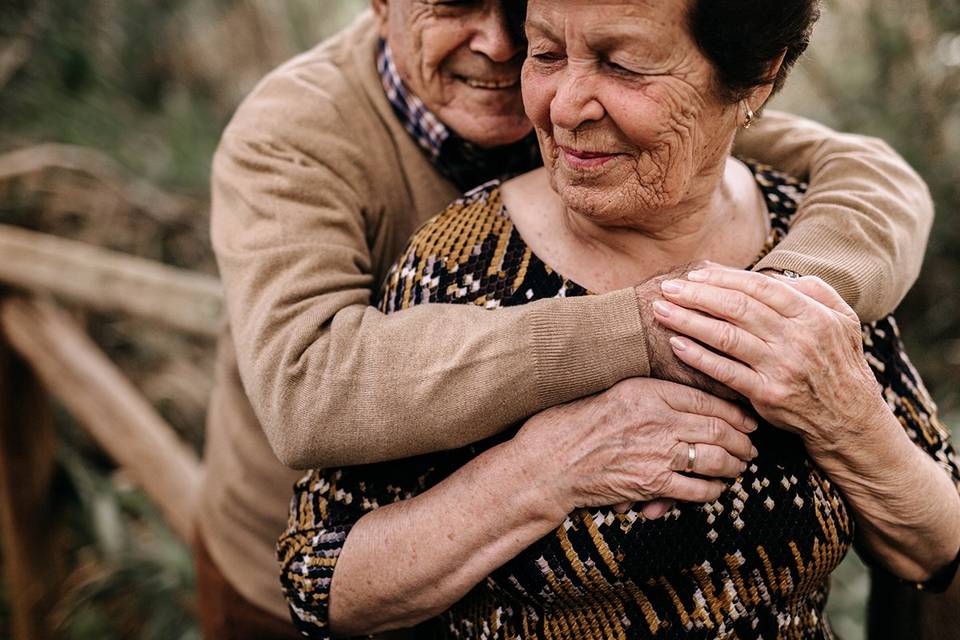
[
  {"x": 333, "y": 381},
  {"x": 864, "y": 223}
]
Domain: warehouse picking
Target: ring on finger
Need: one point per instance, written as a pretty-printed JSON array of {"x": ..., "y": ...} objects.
[{"x": 691, "y": 458}]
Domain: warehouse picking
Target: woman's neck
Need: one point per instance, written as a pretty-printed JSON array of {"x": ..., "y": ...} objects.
[{"x": 725, "y": 223}]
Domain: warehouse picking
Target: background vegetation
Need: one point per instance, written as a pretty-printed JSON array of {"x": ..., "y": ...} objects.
[{"x": 110, "y": 111}]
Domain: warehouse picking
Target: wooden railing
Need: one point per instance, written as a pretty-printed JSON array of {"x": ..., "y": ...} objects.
[{"x": 45, "y": 355}]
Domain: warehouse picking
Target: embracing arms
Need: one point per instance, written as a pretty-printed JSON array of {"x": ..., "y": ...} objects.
[
  {"x": 299, "y": 199},
  {"x": 307, "y": 207},
  {"x": 405, "y": 562},
  {"x": 864, "y": 223}
]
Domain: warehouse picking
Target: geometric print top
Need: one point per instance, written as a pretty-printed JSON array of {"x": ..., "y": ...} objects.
[{"x": 753, "y": 564}]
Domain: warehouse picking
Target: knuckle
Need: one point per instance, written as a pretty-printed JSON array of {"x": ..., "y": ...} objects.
[
  {"x": 656, "y": 486},
  {"x": 778, "y": 395},
  {"x": 723, "y": 371},
  {"x": 742, "y": 442},
  {"x": 735, "y": 306},
  {"x": 728, "y": 338},
  {"x": 715, "y": 430},
  {"x": 699, "y": 400},
  {"x": 704, "y": 493},
  {"x": 714, "y": 489},
  {"x": 759, "y": 287}
]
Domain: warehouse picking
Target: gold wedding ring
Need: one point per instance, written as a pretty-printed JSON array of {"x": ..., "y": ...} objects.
[{"x": 691, "y": 458}]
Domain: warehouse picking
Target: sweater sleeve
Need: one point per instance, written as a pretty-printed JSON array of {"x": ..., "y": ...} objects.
[
  {"x": 332, "y": 380},
  {"x": 864, "y": 223}
]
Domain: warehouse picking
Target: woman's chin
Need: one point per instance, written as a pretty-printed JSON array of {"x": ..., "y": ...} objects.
[{"x": 596, "y": 203}]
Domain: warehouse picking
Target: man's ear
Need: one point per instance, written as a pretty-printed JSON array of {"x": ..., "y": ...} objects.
[
  {"x": 759, "y": 96},
  {"x": 381, "y": 8}
]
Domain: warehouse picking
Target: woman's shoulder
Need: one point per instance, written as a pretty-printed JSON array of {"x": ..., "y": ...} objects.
[
  {"x": 781, "y": 191},
  {"x": 467, "y": 253}
]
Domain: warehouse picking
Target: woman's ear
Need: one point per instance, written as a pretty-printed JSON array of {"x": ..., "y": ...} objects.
[
  {"x": 759, "y": 96},
  {"x": 381, "y": 9}
]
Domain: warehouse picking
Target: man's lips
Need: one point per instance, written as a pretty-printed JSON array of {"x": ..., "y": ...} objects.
[
  {"x": 491, "y": 84},
  {"x": 581, "y": 159}
]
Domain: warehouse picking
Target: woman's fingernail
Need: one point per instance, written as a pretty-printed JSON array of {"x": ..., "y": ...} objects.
[
  {"x": 679, "y": 344},
  {"x": 661, "y": 308},
  {"x": 754, "y": 453},
  {"x": 699, "y": 275},
  {"x": 672, "y": 286},
  {"x": 752, "y": 424}
]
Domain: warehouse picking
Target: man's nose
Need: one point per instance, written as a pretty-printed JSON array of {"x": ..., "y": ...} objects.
[{"x": 495, "y": 37}]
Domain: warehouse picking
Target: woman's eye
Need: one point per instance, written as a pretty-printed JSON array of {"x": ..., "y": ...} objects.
[
  {"x": 547, "y": 56},
  {"x": 452, "y": 4},
  {"x": 619, "y": 68},
  {"x": 452, "y": 7}
]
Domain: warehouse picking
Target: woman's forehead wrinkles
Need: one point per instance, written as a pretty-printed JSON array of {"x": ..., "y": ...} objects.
[
  {"x": 604, "y": 35},
  {"x": 548, "y": 25},
  {"x": 604, "y": 31}
]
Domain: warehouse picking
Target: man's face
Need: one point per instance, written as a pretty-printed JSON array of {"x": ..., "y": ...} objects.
[{"x": 460, "y": 58}]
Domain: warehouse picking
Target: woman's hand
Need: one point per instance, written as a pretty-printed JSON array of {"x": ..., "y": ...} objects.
[
  {"x": 795, "y": 349},
  {"x": 792, "y": 347},
  {"x": 634, "y": 443}
]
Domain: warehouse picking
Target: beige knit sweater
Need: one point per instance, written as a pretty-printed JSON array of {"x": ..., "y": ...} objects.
[{"x": 316, "y": 187}]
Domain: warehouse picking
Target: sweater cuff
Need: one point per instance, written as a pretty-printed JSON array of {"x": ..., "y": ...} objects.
[
  {"x": 586, "y": 345},
  {"x": 841, "y": 262}
]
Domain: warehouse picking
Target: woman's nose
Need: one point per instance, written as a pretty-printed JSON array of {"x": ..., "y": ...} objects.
[
  {"x": 494, "y": 37},
  {"x": 575, "y": 103}
]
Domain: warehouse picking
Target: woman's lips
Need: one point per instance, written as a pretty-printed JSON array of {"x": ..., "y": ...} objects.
[{"x": 579, "y": 159}]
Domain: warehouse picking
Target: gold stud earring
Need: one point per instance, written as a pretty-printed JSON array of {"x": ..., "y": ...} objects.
[{"x": 748, "y": 120}]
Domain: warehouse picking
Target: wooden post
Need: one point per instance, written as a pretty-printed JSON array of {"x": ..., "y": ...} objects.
[
  {"x": 107, "y": 405},
  {"x": 31, "y": 560}
]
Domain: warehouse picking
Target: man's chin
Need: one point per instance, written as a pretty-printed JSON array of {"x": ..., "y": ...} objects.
[{"x": 490, "y": 130}]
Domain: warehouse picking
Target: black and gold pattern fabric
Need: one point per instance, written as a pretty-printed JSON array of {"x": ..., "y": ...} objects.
[{"x": 753, "y": 564}]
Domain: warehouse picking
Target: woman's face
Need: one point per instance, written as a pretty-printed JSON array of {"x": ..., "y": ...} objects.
[{"x": 624, "y": 105}]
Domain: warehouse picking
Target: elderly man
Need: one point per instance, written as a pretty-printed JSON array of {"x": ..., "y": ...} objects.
[{"x": 324, "y": 172}]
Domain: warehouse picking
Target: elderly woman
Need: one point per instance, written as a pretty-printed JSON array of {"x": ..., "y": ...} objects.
[{"x": 635, "y": 105}]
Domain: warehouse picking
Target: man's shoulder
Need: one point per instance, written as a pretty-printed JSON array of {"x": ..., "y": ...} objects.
[{"x": 325, "y": 89}]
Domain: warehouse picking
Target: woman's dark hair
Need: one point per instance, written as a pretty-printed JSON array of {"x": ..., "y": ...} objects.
[{"x": 742, "y": 38}]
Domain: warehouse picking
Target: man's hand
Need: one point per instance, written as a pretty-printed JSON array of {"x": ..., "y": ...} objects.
[{"x": 664, "y": 363}]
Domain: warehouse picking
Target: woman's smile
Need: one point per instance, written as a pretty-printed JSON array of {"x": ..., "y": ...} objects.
[{"x": 583, "y": 160}]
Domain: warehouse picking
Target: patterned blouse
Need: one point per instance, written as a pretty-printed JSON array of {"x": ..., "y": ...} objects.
[{"x": 753, "y": 564}]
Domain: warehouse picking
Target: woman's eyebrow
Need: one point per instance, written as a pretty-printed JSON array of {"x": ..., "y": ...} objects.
[{"x": 541, "y": 26}]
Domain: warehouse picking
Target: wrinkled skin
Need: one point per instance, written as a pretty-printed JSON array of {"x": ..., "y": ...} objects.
[
  {"x": 664, "y": 364},
  {"x": 638, "y": 89},
  {"x": 462, "y": 61},
  {"x": 792, "y": 347},
  {"x": 632, "y": 445}
]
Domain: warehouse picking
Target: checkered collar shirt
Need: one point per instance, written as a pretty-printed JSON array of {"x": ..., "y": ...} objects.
[{"x": 463, "y": 163}]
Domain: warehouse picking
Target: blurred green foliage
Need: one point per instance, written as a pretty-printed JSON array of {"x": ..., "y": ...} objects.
[{"x": 152, "y": 83}]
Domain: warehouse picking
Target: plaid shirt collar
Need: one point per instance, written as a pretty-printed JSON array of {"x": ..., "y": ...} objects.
[{"x": 463, "y": 163}]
